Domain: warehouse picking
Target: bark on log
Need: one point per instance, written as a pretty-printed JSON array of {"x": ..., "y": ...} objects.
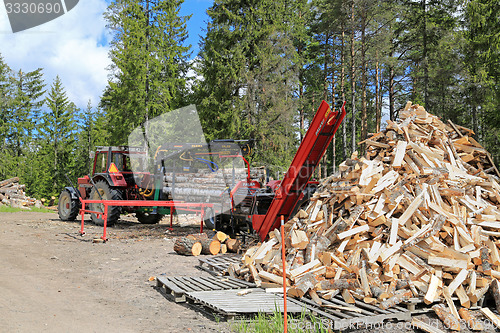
[
  {"x": 396, "y": 299},
  {"x": 233, "y": 245},
  {"x": 472, "y": 323},
  {"x": 187, "y": 247},
  {"x": 197, "y": 237},
  {"x": 495, "y": 290},
  {"x": 485, "y": 261},
  {"x": 446, "y": 317},
  {"x": 9, "y": 181},
  {"x": 341, "y": 284},
  {"x": 303, "y": 285}
]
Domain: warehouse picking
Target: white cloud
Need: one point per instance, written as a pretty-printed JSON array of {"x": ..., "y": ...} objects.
[{"x": 73, "y": 46}]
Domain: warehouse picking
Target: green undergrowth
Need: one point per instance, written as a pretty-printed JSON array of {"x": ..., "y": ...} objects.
[
  {"x": 273, "y": 323},
  {"x": 7, "y": 209}
]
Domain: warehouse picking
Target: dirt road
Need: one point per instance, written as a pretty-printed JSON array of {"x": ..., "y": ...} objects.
[{"x": 53, "y": 280}]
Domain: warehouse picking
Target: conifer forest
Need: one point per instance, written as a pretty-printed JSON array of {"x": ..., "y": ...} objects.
[{"x": 262, "y": 69}]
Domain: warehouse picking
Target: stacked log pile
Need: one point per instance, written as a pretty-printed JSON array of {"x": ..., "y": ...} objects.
[
  {"x": 205, "y": 184},
  {"x": 196, "y": 244},
  {"x": 12, "y": 194},
  {"x": 416, "y": 218}
]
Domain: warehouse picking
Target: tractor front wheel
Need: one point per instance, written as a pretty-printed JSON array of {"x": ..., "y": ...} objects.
[
  {"x": 147, "y": 218},
  {"x": 107, "y": 193},
  {"x": 67, "y": 207}
]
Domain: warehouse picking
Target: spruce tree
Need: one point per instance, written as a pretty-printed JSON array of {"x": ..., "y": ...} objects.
[
  {"x": 149, "y": 63},
  {"x": 249, "y": 66}
]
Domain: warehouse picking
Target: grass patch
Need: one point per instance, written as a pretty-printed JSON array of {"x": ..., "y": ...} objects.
[
  {"x": 263, "y": 323},
  {"x": 7, "y": 209}
]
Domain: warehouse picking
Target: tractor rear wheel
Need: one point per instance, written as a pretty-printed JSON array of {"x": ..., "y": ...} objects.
[
  {"x": 67, "y": 207},
  {"x": 107, "y": 193},
  {"x": 147, "y": 218}
]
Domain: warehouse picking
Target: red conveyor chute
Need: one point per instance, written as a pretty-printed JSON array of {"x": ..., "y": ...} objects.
[{"x": 312, "y": 148}]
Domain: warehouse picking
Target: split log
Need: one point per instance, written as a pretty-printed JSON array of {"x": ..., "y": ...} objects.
[
  {"x": 303, "y": 285},
  {"x": 495, "y": 320},
  {"x": 210, "y": 246},
  {"x": 471, "y": 322},
  {"x": 485, "y": 261},
  {"x": 446, "y": 317},
  {"x": 424, "y": 326},
  {"x": 341, "y": 284},
  {"x": 187, "y": 247},
  {"x": 220, "y": 236},
  {"x": 395, "y": 300},
  {"x": 495, "y": 290},
  {"x": 233, "y": 245}
]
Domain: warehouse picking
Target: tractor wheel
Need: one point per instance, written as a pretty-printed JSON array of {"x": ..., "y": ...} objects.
[
  {"x": 146, "y": 218},
  {"x": 67, "y": 208},
  {"x": 107, "y": 193},
  {"x": 209, "y": 218}
]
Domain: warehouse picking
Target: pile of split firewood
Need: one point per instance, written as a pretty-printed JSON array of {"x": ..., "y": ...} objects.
[
  {"x": 196, "y": 244},
  {"x": 12, "y": 194},
  {"x": 416, "y": 219}
]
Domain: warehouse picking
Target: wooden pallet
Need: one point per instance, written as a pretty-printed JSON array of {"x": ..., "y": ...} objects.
[
  {"x": 417, "y": 306},
  {"x": 179, "y": 286},
  {"x": 229, "y": 304},
  {"x": 218, "y": 264},
  {"x": 362, "y": 314}
]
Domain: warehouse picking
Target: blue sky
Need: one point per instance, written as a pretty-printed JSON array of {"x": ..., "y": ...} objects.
[{"x": 75, "y": 46}]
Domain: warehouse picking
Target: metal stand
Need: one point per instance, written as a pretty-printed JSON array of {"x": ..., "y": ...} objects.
[{"x": 173, "y": 205}]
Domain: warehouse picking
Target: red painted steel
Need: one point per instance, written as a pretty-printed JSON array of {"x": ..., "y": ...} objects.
[
  {"x": 186, "y": 206},
  {"x": 312, "y": 148}
]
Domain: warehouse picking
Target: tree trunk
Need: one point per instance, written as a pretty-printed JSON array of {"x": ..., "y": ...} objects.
[
  {"x": 364, "y": 117},
  {"x": 210, "y": 246},
  {"x": 334, "y": 141},
  {"x": 392, "y": 98},
  {"x": 378, "y": 107},
  {"x": 424, "y": 53},
  {"x": 187, "y": 247},
  {"x": 342, "y": 90},
  {"x": 353, "y": 84}
]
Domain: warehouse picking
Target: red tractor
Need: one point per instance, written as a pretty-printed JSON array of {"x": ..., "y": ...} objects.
[
  {"x": 111, "y": 179},
  {"x": 119, "y": 174}
]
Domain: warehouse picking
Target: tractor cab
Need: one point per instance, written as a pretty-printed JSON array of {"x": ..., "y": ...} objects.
[{"x": 119, "y": 165}]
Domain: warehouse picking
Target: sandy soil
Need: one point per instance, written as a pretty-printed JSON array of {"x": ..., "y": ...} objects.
[{"x": 54, "y": 280}]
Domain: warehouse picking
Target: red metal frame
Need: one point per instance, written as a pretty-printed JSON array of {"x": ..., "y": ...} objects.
[
  {"x": 185, "y": 206},
  {"x": 312, "y": 148}
]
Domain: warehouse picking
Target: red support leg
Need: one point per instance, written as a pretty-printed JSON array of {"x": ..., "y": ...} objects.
[
  {"x": 171, "y": 219},
  {"x": 82, "y": 211},
  {"x": 105, "y": 218}
]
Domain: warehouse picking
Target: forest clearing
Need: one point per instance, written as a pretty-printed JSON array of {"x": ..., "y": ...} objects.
[{"x": 185, "y": 129}]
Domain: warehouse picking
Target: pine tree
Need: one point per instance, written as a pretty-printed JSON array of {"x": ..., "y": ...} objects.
[{"x": 149, "y": 63}]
